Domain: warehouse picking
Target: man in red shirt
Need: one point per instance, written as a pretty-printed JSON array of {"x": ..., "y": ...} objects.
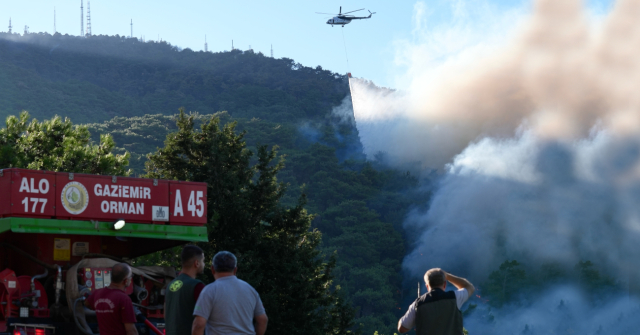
[{"x": 113, "y": 306}]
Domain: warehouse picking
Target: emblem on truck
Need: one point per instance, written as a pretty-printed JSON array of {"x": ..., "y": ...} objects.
[
  {"x": 160, "y": 213},
  {"x": 75, "y": 197}
]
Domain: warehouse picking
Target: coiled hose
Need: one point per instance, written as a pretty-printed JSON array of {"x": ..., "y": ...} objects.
[{"x": 75, "y": 316}]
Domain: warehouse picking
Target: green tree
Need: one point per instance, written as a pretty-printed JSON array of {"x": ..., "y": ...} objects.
[
  {"x": 504, "y": 283},
  {"x": 591, "y": 279},
  {"x": 278, "y": 254},
  {"x": 57, "y": 145}
]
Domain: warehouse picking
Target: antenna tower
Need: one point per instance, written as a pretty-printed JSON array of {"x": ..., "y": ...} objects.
[
  {"x": 271, "y": 50},
  {"x": 10, "y": 26},
  {"x": 81, "y": 18},
  {"x": 232, "y": 45},
  {"x": 206, "y": 47},
  {"x": 88, "y": 18},
  {"x": 131, "y": 28},
  {"x": 26, "y": 29}
]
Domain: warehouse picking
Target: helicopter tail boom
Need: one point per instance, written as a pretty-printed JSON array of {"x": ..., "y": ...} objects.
[{"x": 361, "y": 18}]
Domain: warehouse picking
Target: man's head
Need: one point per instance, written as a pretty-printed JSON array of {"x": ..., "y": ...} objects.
[
  {"x": 121, "y": 274},
  {"x": 192, "y": 257},
  {"x": 224, "y": 262},
  {"x": 435, "y": 278}
]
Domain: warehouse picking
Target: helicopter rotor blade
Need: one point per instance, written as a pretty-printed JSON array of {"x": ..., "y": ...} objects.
[
  {"x": 326, "y": 13},
  {"x": 354, "y": 11}
]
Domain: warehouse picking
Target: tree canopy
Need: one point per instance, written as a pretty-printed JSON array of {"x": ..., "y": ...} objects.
[
  {"x": 277, "y": 251},
  {"x": 58, "y": 145},
  {"x": 99, "y": 77}
]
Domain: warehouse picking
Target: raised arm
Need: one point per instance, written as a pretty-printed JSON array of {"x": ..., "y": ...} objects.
[
  {"x": 401, "y": 328},
  {"x": 460, "y": 283}
]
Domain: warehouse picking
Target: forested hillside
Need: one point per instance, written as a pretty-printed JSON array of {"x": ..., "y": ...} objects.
[
  {"x": 100, "y": 77},
  {"x": 132, "y": 90}
]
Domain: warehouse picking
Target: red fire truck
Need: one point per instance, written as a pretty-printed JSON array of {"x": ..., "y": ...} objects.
[{"x": 60, "y": 234}]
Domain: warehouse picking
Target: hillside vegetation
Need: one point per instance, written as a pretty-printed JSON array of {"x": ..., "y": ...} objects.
[
  {"x": 100, "y": 77},
  {"x": 132, "y": 90}
]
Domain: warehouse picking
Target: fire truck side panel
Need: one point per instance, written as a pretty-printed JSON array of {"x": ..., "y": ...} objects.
[
  {"x": 52, "y": 219},
  {"x": 43, "y": 247},
  {"x": 63, "y": 250},
  {"x": 188, "y": 203},
  {"x": 131, "y": 199},
  {"x": 33, "y": 193}
]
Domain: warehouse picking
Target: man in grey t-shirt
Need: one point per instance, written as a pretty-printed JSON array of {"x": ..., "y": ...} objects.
[{"x": 228, "y": 305}]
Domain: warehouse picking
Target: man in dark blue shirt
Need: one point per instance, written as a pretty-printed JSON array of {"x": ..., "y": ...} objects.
[{"x": 183, "y": 292}]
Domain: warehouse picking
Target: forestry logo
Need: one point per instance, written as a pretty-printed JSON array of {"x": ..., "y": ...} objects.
[
  {"x": 175, "y": 286},
  {"x": 75, "y": 197},
  {"x": 160, "y": 213}
]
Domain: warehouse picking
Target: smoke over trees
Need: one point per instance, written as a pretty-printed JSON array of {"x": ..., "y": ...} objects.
[{"x": 536, "y": 143}]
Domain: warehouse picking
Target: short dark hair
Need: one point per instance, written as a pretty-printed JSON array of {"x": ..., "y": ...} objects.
[
  {"x": 120, "y": 272},
  {"x": 435, "y": 278},
  {"x": 224, "y": 261},
  {"x": 190, "y": 252}
]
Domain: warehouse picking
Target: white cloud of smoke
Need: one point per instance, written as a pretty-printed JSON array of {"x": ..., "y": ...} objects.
[
  {"x": 344, "y": 111},
  {"x": 560, "y": 310},
  {"x": 544, "y": 200},
  {"x": 559, "y": 74},
  {"x": 538, "y": 139}
]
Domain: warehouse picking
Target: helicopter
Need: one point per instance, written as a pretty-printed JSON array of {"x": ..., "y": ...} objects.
[{"x": 342, "y": 18}]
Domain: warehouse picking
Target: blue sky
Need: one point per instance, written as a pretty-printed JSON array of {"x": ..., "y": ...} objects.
[{"x": 291, "y": 26}]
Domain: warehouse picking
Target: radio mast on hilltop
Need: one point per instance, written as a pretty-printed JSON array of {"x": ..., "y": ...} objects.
[
  {"x": 10, "y": 26},
  {"x": 81, "y": 18},
  {"x": 88, "y": 18},
  {"x": 206, "y": 47},
  {"x": 131, "y": 28},
  {"x": 26, "y": 29}
]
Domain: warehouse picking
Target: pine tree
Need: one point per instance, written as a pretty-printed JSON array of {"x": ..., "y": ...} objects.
[{"x": 277, "y": 251}]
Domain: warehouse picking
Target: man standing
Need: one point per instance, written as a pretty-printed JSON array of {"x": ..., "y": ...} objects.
[
  {"x": 183, "y": 292},
  {"x": 438, "y": 312},
  {"x": 113, "y": 306},
  {"x": 228, "y": 305}
]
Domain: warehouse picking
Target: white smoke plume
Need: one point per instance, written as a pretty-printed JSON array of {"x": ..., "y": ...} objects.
[
  {"x": 559, "y": 75},
  {"x": 538, "y": 142},
  {"x": 544, "y": 200},
  {"x": 344, "y": 111},
  {"x": 538, "y": 139},
  {"x": 560, "y": 310}
]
